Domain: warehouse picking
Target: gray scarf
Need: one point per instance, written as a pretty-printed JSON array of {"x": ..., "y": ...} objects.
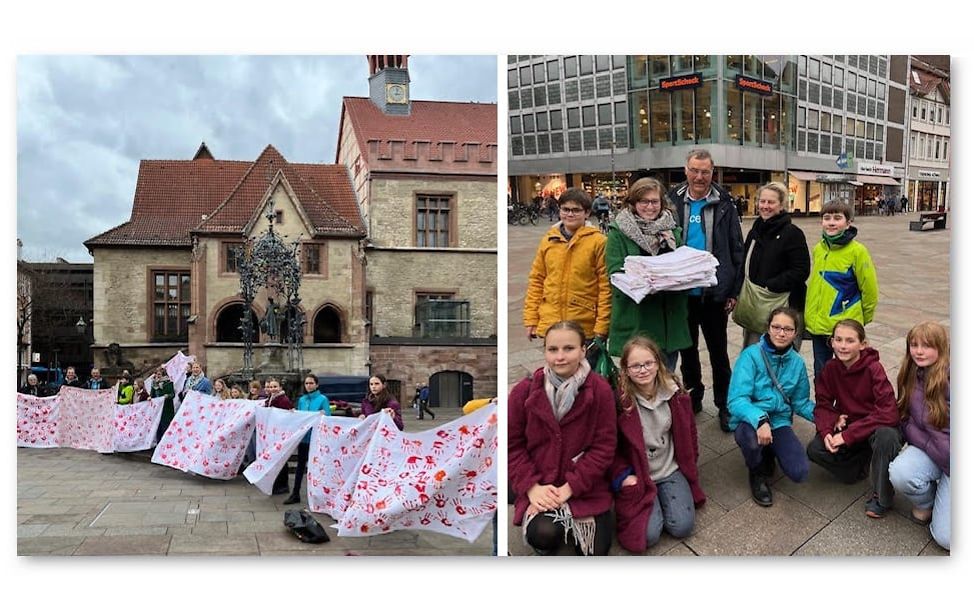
[
  {"x": 650, "y": 235},
  {"x": 562, "y": 392}
]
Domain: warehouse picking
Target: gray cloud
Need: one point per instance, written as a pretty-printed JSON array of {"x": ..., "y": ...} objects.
[{"x": 85, "y": 122}]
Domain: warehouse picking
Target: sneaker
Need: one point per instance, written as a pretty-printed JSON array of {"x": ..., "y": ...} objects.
[{"x": 874, "y": 509}]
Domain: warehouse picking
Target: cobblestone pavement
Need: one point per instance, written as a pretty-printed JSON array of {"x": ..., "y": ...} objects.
[
  {"x": 78, "y": 502},
  {"x": 820, "y": 516}
]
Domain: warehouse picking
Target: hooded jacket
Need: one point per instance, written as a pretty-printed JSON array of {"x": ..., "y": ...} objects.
[
  {"x": 752, "y": 394},
  {"x": 723, "y": 232},
  {"x": 779, "y": 261},
  {"x": 577, "y": 450},
  {"x": 661, "y": 316},
  {"x": 934, "y": 441},
  {"x": 862, "y": 392},
  {"x": 634, "y": 504},
  {"x": 569, "y": 282},
  {"x": 843, "y": 284}
]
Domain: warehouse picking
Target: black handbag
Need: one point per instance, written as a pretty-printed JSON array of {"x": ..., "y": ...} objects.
[{"x": 301, "y": 524}]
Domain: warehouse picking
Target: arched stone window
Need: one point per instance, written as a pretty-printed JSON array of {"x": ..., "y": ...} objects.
[
  {"x": 228, "y": 324},
  {"x": 328, "y": 325}
]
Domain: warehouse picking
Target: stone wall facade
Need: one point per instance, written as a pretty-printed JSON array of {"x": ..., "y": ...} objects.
[
  {"x": 395, "y": 277},
  {"x": 412, "y": 364}
]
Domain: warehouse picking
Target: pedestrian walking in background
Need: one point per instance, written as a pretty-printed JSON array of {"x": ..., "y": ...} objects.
[
  {"x": 856, "y": 417},
  {"x": 921, "y": 472},
  {"x": 709, "y": 220},
  {"x": 311, "y": 401},
  {"x": 561, "y": 440},
  {"x": 769, "y": 386},
  {"x": 654, "y": 474},
  {"x": 423, "y": 402}
]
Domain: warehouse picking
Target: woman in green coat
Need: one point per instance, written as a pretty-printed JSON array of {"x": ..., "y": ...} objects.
[
  {"x": 646, "y": 226},
  {"x": 162, "y": 387}
]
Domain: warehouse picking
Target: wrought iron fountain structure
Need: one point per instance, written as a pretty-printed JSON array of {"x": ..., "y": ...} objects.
[{"x": 267, "y": 262}]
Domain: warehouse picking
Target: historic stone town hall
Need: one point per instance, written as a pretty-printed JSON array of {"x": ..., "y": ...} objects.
[{"x": 398, "y": 248}]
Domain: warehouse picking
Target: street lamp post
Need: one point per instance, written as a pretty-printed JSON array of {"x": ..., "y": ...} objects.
[{"x": 612, "y": 164}]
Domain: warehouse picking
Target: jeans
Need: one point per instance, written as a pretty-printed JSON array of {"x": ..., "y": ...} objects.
[
  {"x": 784, "y": 446},
  {"x": 300, "y": 471},
  {"x": 707, "y": 316},
  {"x": 673, "y": 509},
  {"x": 920, "y": 479},
  {"x": 670, "y": 359},
  {"x": 822, "y": 351},
  {"x": 851, "y": 461}
]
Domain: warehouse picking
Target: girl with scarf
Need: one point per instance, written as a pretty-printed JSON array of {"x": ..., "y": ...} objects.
[
  {"x": 654, "y": 474},
  {"x": 768, "y": 387},
  {"x": 646, "y": 227},
  {"x": 922, "y": 470},
  {"x": 561, "y": 440},
  {"x": 379, "y": 399}
]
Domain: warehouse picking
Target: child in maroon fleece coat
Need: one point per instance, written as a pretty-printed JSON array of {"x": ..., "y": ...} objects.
[{"x": 856, "y": 417}]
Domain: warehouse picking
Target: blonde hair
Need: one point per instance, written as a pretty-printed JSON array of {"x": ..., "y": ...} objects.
[
  {"x": 936, "y": 381},
  {"x": 664, "y": 376},
  {"x": 779, "y": 189}
]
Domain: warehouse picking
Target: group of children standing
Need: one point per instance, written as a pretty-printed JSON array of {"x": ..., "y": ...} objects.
[{"x": 579, "y": 449}]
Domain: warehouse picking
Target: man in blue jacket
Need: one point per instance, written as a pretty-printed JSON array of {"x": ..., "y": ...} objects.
[{"x": 710, "y": 222}]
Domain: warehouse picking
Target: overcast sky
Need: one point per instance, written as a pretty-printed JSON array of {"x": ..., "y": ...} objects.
[{"x": 85, "y": 122}]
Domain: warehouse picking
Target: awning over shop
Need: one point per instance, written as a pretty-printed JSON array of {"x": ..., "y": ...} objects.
[
  {"x": 804, "y": 176},
  {"x": 877, "y": 179}
]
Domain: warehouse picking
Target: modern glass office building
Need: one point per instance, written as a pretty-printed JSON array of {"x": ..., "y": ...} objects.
[{"x": 835, "y": 123}]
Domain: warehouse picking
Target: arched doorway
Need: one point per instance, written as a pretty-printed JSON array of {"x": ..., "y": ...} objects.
[
  {"x": 328, "y": 325},
  {"x": 450, "y": 389},
  {"x": 228, "y": 324}
]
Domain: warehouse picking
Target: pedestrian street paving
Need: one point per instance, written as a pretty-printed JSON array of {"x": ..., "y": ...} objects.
[
  {"x": 820, "y": 516},
  {"x": 79, "y": 502}
]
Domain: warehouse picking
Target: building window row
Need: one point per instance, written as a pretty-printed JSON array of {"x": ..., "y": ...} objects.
[
  {"x": 932, "y": 112},
  {"x": 816, "y": 67},
  {"x": 552, "y": 70},
  {"x": 926, "y": 146}
]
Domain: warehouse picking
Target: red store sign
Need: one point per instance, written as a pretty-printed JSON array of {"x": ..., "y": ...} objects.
[{"x": 751, "y": 84}]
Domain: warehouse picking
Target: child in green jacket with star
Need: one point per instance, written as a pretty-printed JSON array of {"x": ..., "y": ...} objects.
[{"x": 843, "y": 282}]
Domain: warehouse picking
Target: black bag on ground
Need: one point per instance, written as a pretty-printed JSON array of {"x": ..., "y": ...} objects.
[{"x": 301, "y": 524}]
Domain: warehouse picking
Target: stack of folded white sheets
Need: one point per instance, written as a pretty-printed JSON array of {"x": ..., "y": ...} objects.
[{"x": 685, "y": 268}]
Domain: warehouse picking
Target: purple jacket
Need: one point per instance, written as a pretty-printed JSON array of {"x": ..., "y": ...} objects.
[
  {"x": 920, "y": 433},
  {"x": 577, "y": 450},
  {"x": 634, "y": 504},
  {"x": 369, "y": 408}
]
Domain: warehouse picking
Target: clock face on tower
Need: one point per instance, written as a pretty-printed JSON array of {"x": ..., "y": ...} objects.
[{"x": 396, "y": 93}]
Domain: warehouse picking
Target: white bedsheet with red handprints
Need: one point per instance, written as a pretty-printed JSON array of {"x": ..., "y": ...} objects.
[{"x": 208, "y": 436}]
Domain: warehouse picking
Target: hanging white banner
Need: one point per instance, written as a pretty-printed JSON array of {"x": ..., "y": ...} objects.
[
  {"x": 208, "y": 436},
  {"x": 136, "y": 424},
  {"x": 443, "y": 480},
  {"x": 87, "y": 419},
  {"x": 278, "y": 434},
  {"x": 37, "y": 421}
]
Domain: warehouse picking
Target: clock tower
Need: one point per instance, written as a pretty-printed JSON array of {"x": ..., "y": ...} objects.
[{"x": 389, "y": 83}]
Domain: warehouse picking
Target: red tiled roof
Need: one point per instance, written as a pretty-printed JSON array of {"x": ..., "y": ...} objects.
[
  {"x": 437, "y": 122},
  {"x": 171, "y": 198}
]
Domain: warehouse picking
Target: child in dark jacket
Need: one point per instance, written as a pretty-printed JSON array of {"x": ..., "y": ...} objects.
[
  {"x": 654, "y": 474},
  {"x": 856, "y": 416},
  {"x": 922, "y": 470}
]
